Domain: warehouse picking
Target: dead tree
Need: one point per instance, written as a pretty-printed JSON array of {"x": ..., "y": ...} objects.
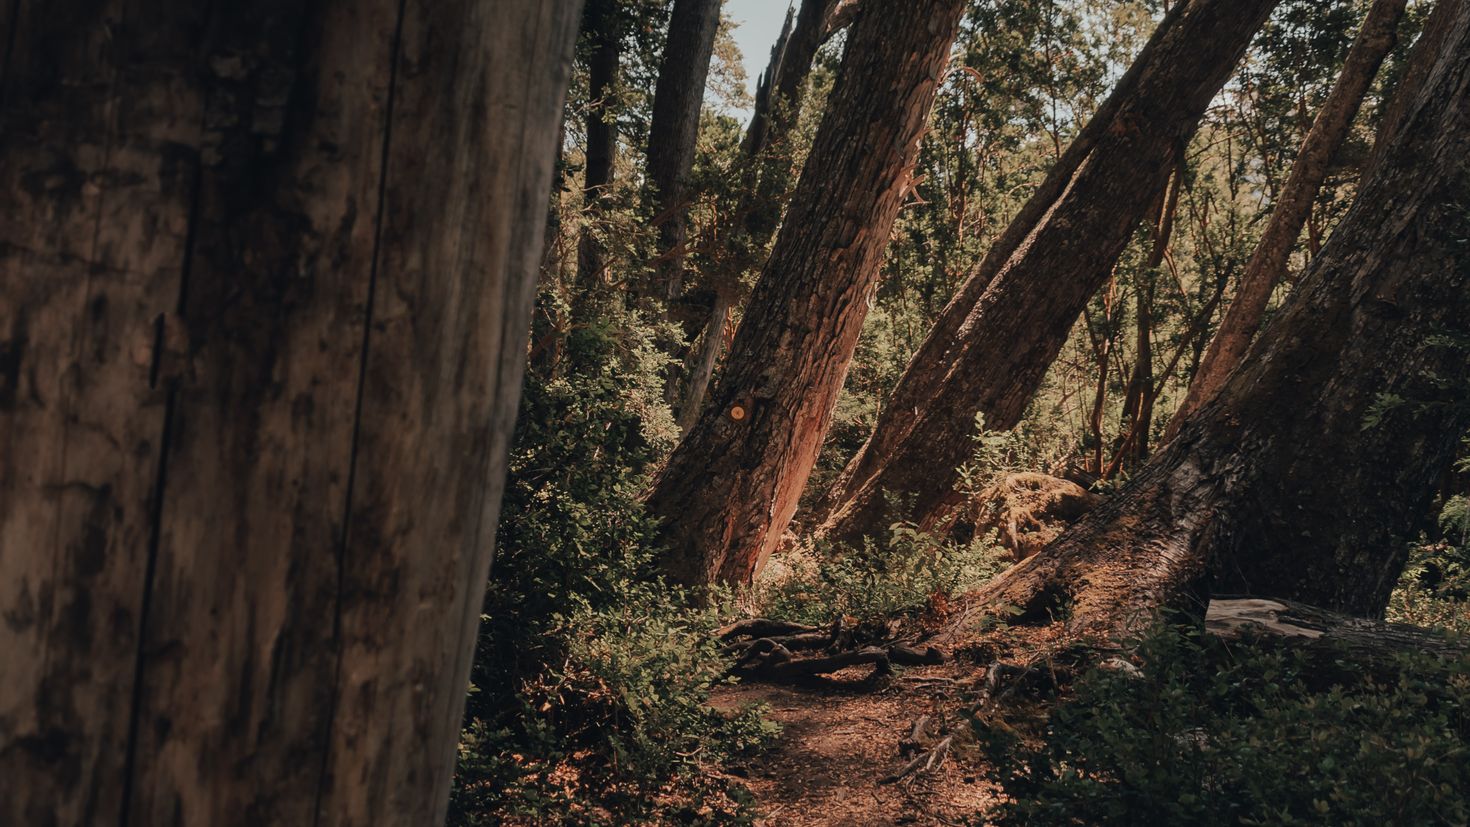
[
  {"x": 989, "y": 352},
  {"x": 267, "y": 271},
  {"x": 731, "y": 486}
]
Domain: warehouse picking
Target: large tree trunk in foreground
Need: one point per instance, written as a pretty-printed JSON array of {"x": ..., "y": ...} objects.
[
  {"x": 1305, "y": 476},
  {"x": 267, "y": 272},
  {"x": 768, "y": 153},
  {"x": 1009, "y": 337},
  {"x": 731, "y": 487},
  {"x": 1267, "y": 265},
  {"x": 677, "y": 98}
]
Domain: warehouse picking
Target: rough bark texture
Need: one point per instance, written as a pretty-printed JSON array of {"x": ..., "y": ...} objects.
[
  {"x": 927, "y": 367},
  {"x": 767, "y": 149},
  {"x": 672, "y": 133},
  {"x": 1303, "y": 478},
  {"x": 1267, "y": 265},
  {"x": 1010, "y": 336},
  {"x": 268, "y": 271},
  {"x": 731, "y": 487}
]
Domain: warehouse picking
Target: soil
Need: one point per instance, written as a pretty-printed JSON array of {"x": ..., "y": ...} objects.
[{"x": 841, "y": 738}]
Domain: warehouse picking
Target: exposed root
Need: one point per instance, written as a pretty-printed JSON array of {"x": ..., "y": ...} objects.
[{"x": 770, "y": 655}]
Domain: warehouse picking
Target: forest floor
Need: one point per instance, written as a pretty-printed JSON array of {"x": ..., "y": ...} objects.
[{"x": 841, "y": 741}]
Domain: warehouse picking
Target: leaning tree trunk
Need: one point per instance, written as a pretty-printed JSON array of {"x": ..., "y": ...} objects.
[
  {"x": 927, "y": 367},
  {"x": 267, "y": 272},
  {"x": 1011, "y": 334},
  {"x": 674, "y": 129},
  {"x": 1268, "y": 263},
  {"x": 1305, "y": 476},
  {"x": 731, "y": 486},
  {"x": 767, "y": 152}
]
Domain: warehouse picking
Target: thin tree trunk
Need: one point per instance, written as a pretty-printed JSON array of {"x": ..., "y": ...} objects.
[
  {"x": 731, "y": 487},
  {"x": 1306, "y": 475},
  {"x": 767, "y": 150},
  {"x": 1013, "y": 332},
  {"x": 266, "y": 296},
  {"x": 1138, "y": 404},
  {"x": 1267, "y": 266},
  {"x": 674, "y": 129},
  {"x": 601, "y": 23}
]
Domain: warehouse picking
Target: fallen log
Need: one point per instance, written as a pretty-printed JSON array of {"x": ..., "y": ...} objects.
[{"x": 1357, "y": 643}]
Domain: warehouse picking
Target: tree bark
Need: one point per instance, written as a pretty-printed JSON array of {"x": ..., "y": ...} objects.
[
  {"x": 601, "y": 23},
  {"x": 1267, "y": 266},
  {"x": 767, "y": 150},
  {"x": 1305, "y": 476},
  {"x": 1011, "y": 334},
  {"x": 677, "y": 98},
  {"x": 928, "y": 366},
  {"x": 267, "y": 275},
  {"x": 731, "y": 486}
]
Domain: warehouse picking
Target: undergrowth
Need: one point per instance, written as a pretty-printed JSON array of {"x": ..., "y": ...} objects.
[
  {"x": 588, "y": 702},
  {"x": 1215, "y": 733}
]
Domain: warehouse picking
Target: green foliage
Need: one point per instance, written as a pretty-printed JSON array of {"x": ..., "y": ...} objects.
[
  {"x": 880, "y": 583},
  {"x": 1435, "y": 586},
  {"x": 1217, "y": 734},
  {"x": 591, "y": 679}
]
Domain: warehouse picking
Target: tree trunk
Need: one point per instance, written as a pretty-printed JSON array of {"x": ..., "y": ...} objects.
[
  {"x": 677, "y": 98},
  {"x": 1334, "y": 643},
  {"x": 601, "y": 23},
  {"x": 1305, "y": 476},
  {"x": 731, "y": 486},
  {"x": 927, "y": 367},
  {"x": 1138, "y": 404},
  {"x": 767, "y": 150},
  {"x": 1013, "y": 332},
  {"x": 267, "y": 272},
  {"x": 1267, "y": 266}
]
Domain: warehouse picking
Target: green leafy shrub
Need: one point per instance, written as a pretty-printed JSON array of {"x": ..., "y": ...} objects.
[
  {"x": 589, "y": 690},
  {"x": 1227, "y": 734},
  {"x": 1434, "y": 589},
  {"x": 880, "y": 583}
]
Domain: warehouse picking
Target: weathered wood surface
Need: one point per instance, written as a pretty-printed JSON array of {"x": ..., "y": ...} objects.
[
  {"x": 266, "y": 272},
  {"x": 1361, "y": 640}
]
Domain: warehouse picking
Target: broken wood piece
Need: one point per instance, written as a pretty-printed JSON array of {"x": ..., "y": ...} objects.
[
  {"x": 926, "y": 762},
  {"x": 758, "y": 627},
  {"x": 914, "y": 656}
]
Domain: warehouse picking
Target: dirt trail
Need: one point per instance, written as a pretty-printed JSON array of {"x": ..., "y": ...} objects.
[{"x": 840, "y": 739}]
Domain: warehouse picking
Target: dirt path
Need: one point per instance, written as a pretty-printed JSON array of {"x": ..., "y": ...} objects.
[{"x": 839, "y": 740}]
